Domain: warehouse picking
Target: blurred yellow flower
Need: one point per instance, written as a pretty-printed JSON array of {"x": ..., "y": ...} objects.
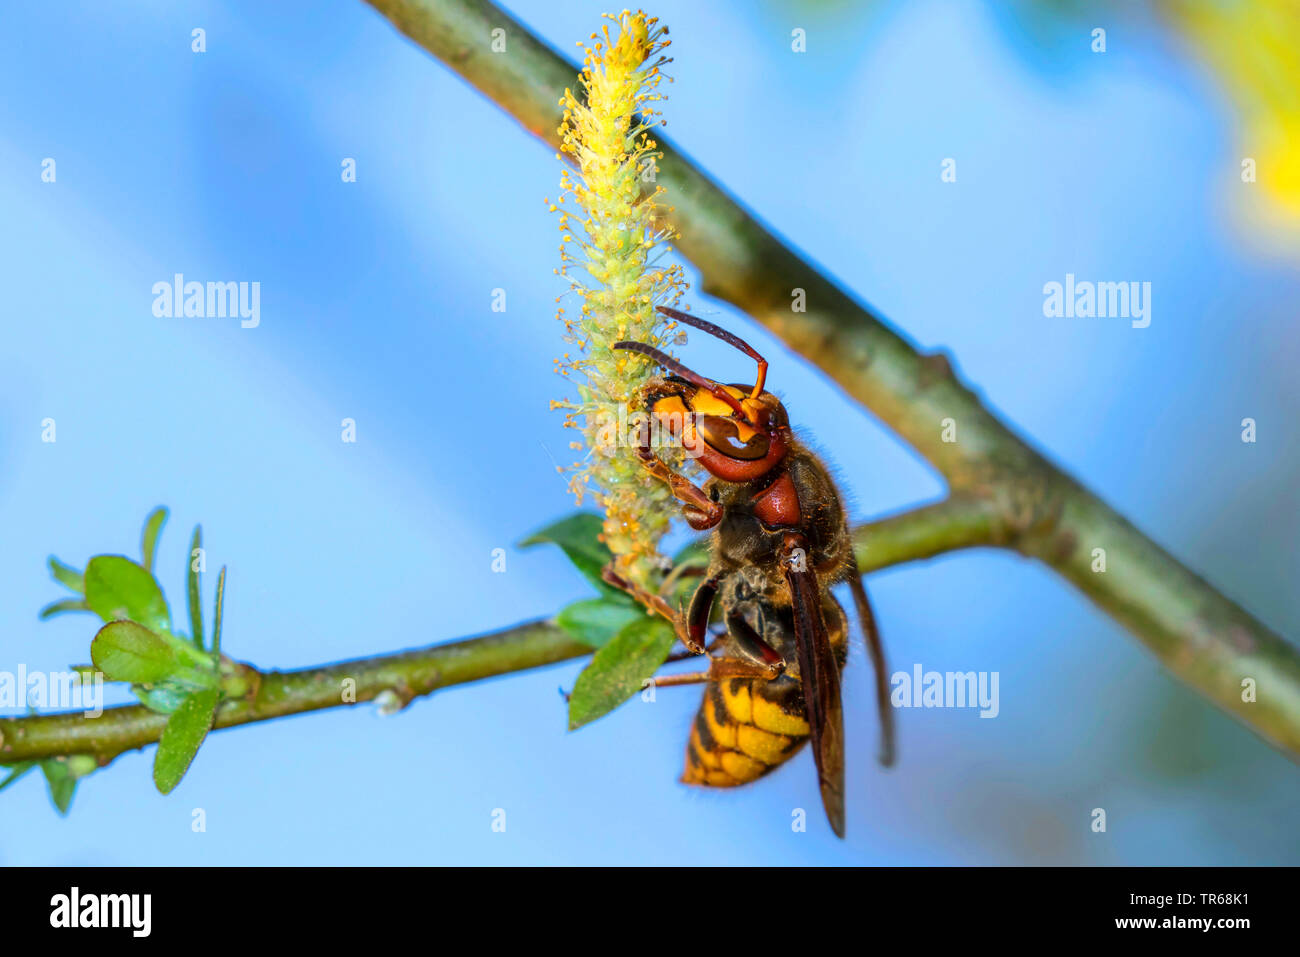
[{"x": 1255, "y": 48}]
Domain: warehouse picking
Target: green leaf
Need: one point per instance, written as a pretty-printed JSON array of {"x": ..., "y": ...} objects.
[
  {"x": 81, "y": 764},
  {"x": 69, "y": 577},
  {"x": 125, "y": 651},
  {"x": 16, "y": 771},
  {"x": 594, "y": 621},
  {"x": 118, "y": 588},
  {"x": 192, "y": 576},
  {"x": 216, "y": 615},
  {"x": 149, "y": 537},
  {"x": 164, "y": 699},
  {"x": 619, "y": 669},
  {"x": 65, "y": 604},
  {"x": 62, "y": 783},
  {"x": 579, "y": 536},
  {"x": 185, "y": 731}
]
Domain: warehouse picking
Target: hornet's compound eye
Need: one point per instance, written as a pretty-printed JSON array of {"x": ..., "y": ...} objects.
[{"x": 721, "y": 434}]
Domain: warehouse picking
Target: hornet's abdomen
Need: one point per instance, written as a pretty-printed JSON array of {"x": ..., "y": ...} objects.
[{"x": 745, "y": 727}]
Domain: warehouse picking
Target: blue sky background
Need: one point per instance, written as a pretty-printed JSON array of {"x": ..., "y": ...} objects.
[{"x": 376, "y": 304}]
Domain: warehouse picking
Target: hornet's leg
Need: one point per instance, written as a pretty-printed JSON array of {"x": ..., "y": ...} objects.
[
  {"x": 686, "y": 655},
  {"x": 759, "y": 659},
  {"x": 752, "y": 645},
  {"x": 720, "y": 669},
  {"x": 693, "y": 626},
  {"x": 700, "y": 511}
]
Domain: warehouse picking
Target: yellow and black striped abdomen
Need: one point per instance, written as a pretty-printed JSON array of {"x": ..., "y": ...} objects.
[{"x": 745, "y": 727}]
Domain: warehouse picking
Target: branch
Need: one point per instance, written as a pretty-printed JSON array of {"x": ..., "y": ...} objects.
[
  {"x": 899, "y": 538},
  {"x": 1199, "y": 634},
  {"x": 955, "y": 523},
  {"x": 408, "y": 674}
]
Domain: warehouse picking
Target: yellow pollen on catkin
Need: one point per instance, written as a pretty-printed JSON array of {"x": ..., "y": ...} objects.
[{"x": 610, "y": 239}]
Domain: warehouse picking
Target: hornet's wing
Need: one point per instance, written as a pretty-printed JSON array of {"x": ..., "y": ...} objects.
[{"x": 820, "y": 674}]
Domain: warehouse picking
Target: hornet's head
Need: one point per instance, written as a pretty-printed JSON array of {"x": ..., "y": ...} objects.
[{"x": 738, "y": 433}]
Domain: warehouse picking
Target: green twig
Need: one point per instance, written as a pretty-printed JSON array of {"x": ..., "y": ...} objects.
[{"x": 283, "y": 693}]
